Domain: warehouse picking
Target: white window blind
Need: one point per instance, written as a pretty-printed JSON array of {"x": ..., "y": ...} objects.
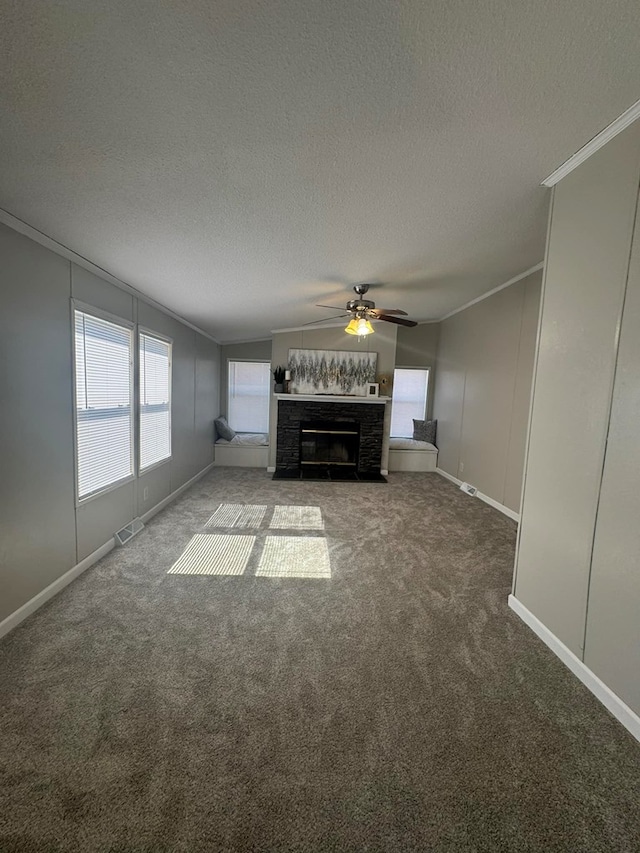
[
  {"x": 249, "y": 384},
  {"x": 409, "y": 400},
  {"x": 155, "y": 400},
  {"x": 103, "y": 360}
]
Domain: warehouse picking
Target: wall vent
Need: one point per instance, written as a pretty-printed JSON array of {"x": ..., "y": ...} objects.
[
  {"x": 468, "y": 488},
  {"x": 128, "y": 531}
]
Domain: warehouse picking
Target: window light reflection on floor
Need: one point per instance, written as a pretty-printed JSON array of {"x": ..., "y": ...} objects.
[
  {"x": 297, "y": 518},
  {"x": 237, "y": 515},
  {"x": 282, "y": 556},
  {"x": 214, "y": 554},
  {"x": 294, "y": 557}
]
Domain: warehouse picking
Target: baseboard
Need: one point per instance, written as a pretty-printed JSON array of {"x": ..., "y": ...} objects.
[
  {"x": 515, "y": 516},
  {"x": 19, "y": 615},
  {"x": 448, "y": 476},
  {"x": 622, "y": 712},
  {"x": 170, "y": 498}
]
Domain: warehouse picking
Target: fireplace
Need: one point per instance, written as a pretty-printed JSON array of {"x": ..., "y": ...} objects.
[
  {"x": 347, "y": 442},
  {"x": 329, "y": 443}
]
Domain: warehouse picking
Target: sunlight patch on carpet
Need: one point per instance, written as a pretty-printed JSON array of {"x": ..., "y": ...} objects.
[
  {"x": 294, "y": 557},
  {"x": 237, "y": 515},
  {"x": 297, "y": 518},
  {"x": 214, "y": 554}
]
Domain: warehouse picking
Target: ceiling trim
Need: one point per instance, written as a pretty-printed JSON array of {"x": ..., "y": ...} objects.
[
  {"x": 489, "y": 293},
  {"x": 245, "y": 341},
  {"x": 49, "y": 243},
  {"x": 330, "y": 324},
  {"x": 595, "y": 144}
]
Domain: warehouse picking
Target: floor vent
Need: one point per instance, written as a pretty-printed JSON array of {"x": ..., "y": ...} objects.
[
  {"x": 128, "y": 531},
  {"x": 468, "y": 488}
]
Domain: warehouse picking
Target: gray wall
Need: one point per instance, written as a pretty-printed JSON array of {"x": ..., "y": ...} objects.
[
  {"x": 576, "y": 567},
  {"x": 612, "y": 648},
  {"x": 418, "y": 347},
  {"x": 251, "y": 351},
  {"x": 483, "y": 388},
  {"x": 42, "y": 533}
]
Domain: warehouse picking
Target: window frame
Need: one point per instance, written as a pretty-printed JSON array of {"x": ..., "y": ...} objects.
[
  {"x": 144, "y": 330},
  {"x": 84, "y": 308},
  {"x": 249, "y": 361},
  {"x": 423, "y": 367}
]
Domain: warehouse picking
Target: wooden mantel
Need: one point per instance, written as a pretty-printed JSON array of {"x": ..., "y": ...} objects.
[{"x": 332, "y": 398}]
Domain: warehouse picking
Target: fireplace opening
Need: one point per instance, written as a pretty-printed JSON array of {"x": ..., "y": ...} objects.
[{"x": 329, "y": 444}]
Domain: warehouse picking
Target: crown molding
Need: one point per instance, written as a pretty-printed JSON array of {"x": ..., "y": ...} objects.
[
  {"x": 489, "y": 293},
  {"x": 60, "y": 249},
  {"x": 595, "y": 144},
  {"x": 330, "y": 324},
  {"x": 245, "y": 341}
]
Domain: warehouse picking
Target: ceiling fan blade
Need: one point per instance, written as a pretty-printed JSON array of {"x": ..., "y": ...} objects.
[
  {"x": 333, "y": 307},
  {"x": 390, "y": 311},
  {"x": 400, "y": 321},
  {"x": 326, "y": 319}
]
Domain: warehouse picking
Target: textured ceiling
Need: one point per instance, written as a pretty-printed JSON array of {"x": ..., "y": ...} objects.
[{"x": 240, "y": 160}]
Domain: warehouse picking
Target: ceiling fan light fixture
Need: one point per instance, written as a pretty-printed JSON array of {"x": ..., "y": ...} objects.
[{"x": 359, "y": 326}]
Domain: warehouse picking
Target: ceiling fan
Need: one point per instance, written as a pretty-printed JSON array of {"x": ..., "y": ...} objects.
[{"x": 362, "y": 311}]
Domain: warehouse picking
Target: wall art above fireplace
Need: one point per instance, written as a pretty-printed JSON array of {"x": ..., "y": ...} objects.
[{"x": 334, "y": 372}]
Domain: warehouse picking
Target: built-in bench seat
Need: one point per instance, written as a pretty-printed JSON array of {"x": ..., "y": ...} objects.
[
  {"x": 407, "y": 454},
  {"x": 245, "y": 450}
]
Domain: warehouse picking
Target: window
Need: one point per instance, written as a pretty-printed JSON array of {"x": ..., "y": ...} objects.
[
  {"x": 249, "y": 384},
  {"x": 103, "y": 378},
  {"x": 155, "y": 400},
  {"x": 409, "y": 399}
]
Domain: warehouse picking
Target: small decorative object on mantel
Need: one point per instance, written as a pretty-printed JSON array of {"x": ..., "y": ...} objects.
[
  {"x": 278, "y": 375},
  {"x": 385, "y": 382}
]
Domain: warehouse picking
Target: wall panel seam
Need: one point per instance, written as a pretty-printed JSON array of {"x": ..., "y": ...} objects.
[
  {"x": 532, "y": 394},
  {"x": 461, "y": 434},
  {"x": 513, "y": 395},
  {"x": 610, "y": 409}
]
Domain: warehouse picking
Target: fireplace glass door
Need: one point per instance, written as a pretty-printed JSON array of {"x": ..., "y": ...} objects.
[{"x": 329, "y": 443}]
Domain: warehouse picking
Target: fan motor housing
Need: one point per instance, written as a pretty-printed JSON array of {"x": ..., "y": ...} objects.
[{"x": 360, "y": 305}]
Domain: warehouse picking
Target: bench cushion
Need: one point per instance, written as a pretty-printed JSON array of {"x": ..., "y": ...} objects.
[
  {"x": 410, "y": 444},
  {"x": 246, "y": 439}
]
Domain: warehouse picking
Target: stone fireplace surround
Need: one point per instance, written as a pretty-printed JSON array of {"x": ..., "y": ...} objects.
[{"x": 292, "y": 411}]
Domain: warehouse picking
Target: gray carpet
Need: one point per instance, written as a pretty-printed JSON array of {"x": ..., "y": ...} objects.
[{"x": 397, "y": 706}]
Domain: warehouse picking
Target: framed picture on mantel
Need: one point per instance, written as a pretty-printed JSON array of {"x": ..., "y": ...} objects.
[{"x": 331, "y": 372}]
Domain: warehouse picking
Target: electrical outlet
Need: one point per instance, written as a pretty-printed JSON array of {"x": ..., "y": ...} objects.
[
  {"x": 145, "y": 493},
  {"x": 461, "y": 467}
]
